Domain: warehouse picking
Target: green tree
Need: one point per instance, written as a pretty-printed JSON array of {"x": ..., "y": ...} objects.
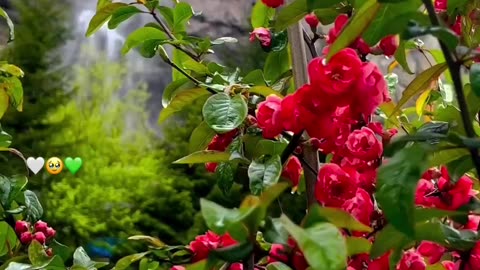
[
  {"x": 37, "y": 51},
  {"x": 124, "y": 187}
]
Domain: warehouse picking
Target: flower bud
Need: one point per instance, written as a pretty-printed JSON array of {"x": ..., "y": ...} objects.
[
  {"x": 50, "y": 232},
  {"x": 312, "y": 20},
  {"x": 389, "y": 45},
  {"x": 263, "y": 35},
  {"x": 26, "y": 238},
  {"x": 21, "y": 226},
  {"x": 40, "y": 237},
  {"x": 273, "y": 3},
  {"x": 41, "y": 226}
]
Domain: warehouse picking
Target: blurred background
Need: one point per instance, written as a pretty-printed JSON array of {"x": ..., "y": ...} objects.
[{"x": 82, "y": 98}]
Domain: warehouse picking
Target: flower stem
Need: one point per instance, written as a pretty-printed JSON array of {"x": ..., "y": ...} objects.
[{"x": 454, "y": 67}]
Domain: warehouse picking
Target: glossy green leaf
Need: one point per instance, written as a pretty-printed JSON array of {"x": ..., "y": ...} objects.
[
  {"x": 204, "y": 157},
  {"x": 274, "y": 231},
  {"x": 264, "y": 173},
  {"x": 445, "y": 156},
  {"x": 255, "y": 77},
  {"x": 269, "y": 147},
  {"x": 34, "y": 209},
  {"x": 122, "y": 14},
  {"x": 336, "y": 216},
  {"x": 355, "y": 27},
  {"x": 125, "y": 262},
  {"x": 8, "y": 239},
  {"x": 181, "y": 101},
  {"x": 401, "y": 57},
  {"x": 261, "y": 15},
  {"x": 291, "y": 14},
  {"x": 224, "y": 113},
  {"x": 11, "y": 28},
  {"x": 276, "y": 64},
  {"x": 81, "y": 258},
  {"x": 327, "y": 15},
  {"x": 329, "y": 253},
  {"x": 385, "y": 240},
  {"x": 195, "y": 66},
  {"x": 358, "y": 245},
  {"x": 181, "y": 15},
  {"x": 420, "y": 84},
  {"x": 4, "y": 101},
  {"x": 12, "y": 70},
  {"x": 233, "y": 253},
  {"x": 475, "y": 79},
  {"x": 225, "y": 174},
  {"x": 447, "y": 36},
  {"x": 142, "y": 35},
  {"x": 200, "y": 138},
  {"x": 317, "y": 4},
  {"x": 102, "y": 16},
  {"x": 396, "y": 185},
  {"x": 148, "y": 239},
  {"x": 36, "y": 254},
  {"x": 264, "y": 91}
]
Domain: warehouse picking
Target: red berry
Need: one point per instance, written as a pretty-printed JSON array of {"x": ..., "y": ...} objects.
[
  {"x": 389, "y": 45},
  {"x": 26, "y": 238},
  {"x": 40, "y": 237},
  {"x": 211, "y": 167},
  {"x": 41, "y": 226},
  {"x": 312, "y": 20},
  {"x": 21, "y": 226},
  {"x": 50, "y": 232},
  {"x": 49, "y": 252}
]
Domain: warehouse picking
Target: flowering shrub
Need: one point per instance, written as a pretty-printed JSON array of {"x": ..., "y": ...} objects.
[{"x": 387, "y": 187}]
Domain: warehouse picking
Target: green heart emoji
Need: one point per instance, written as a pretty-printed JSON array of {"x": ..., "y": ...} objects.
[{"x": 73, "y": 165}]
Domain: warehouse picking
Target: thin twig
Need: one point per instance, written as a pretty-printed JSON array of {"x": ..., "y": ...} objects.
[
  {"x": 454, "y": 68},
  {"x": 190, "y": 77},
  {"x": 310, "y": 44},
  {"x": 294, "y": 142}
]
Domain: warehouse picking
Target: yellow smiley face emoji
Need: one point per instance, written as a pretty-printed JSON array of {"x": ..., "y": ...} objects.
[{"x": 54, "y": 165}]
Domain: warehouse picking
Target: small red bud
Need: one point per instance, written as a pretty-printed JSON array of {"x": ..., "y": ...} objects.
[
  {"x": 389, "y": 45},
  {"x": 312, "y": 20},
  {"x": 50, "y": 232},
  {"x": 40, "y": 237},
  {"x": 41, "y": 226},
  {"x": 211, "y": 166},
  {"x": 26, "y": 238},
  {"x": 21, "y": 226},
  {"x": 49, "y": 252}
]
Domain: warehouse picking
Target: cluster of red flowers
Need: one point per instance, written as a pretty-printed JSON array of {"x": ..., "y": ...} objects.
[
  {"x": 220, "y": 142},
  {"x": 456, "y": 25},
  {"x": 41, "y": 232}
]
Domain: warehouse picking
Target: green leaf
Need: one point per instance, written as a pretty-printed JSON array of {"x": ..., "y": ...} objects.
[
  {"x": 125, "y": 262},
  {"x": 4, "y": 100},
  {"x": 473, "y": 101},
  {"x": 327, "y": 15},
  {"x": 393, "y": 18},
  {"x": 11, "y": 28},
  {"x": 61, "y": 250},
  {"x": 274, "y": 231},
  {"x": 142, "y": 35},
  {"x": 278, "y": 266},
  {"x": 181, "y": 14},
  {"x": 385, "y": 240},
  {"x": 336, "y": 216},
  {"x": 355, "y": 27},
  {"x": 233, "y": 253},
  {"x": 174, "y": 88},
  {"x": 223, "y": 113},
  {"x": 181, "y": 101},
  {"x": 396, "y": 185},
  {"x": 453, "y": 5},
  {"x": 420, "y": 84},
  {"x": 223, "y": 40},
  {"x": 316, "y": 4},
  {"x": 12, "y": 70},
  {"x": 102, "y": 16},
  {"x": 264, "y": 173},
  {"x": 269, "y": 147},
  {"x": 196, "y": 67},
  {"x": 330, "y": 253},
  {"x": 167, "y": 14},
  {"x": 18, "y": 266},
  {"x": 401, "y": 57},
  {"x": 8, "y": 239},
  {"x": 14, "y": 89},
  {"x": 264, "y": 91},
  {"x": 148, "y": 239},
  {"x": 36, "y": 254},
  {"x": 475, "y": 79},
  {"x": 446, "y": 156},
  {"x": 81, "y": 258},
  {"x": 204, "y": 157},
  {"x": 261, "y": 15},
  {"x": 291, "y": 14},
  {"x": 447, "y": 36},
  {"x": 122, "y": 14},
  {"x": 34, "y": 209},
  {"x": 200, "y": 138},
  {"x": 276, "y": 64},
  {"x": 225, "y": 177},
  {"x": 255, "y": 77},
  {"x": 217, "y": 217},
  {"x": 358, "y": 245}
]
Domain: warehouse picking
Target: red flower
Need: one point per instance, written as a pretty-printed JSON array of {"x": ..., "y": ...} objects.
[
  {"x": 411, "y": 260},
  {"x": 381, "y": 263},
  {"x": 440, "y": 5},
  {"x": 40, "y": 237},
  {"x": 457, "y": 26},
  {"x": 293, "y": 170},
  {"x": 41, "y": 226},
  {"x": 312, "y": 20},
  {"x": 363, "y": 144},
  {"x": 389, "y": 45},
  {"x": 448, "y": 265},
  {"x": 472, "y": 224},
  {"x": 269, "y": 117},
  {"x": 473, "y": 262},
  {"x": 298, "y": 261},
  {"x": 220, "y": 142},
  {"x": 236, "y": 266},
  {"x": 431, "y": 250},
  {"x": 360, "y": 206},
  {"x": 371, "y": 90},
  {"x": 291, "y": 113},
  {"x": 202, "y": 244},
  {"x": 337, "y": 28},
  {"x": 335, "y": 185},
  {"x": 424, "y": 188},
  {"x": 26, "y": 238},
  {"x": 263, "y": 35},
  {"x": 177, "y": 267},
  {"x": 273, "y": 3},
  {"x": 452, "y": 196},
  {"x": 338, "y": 77},
  {"x": 21, "y": 226},
  {"x": 277, "y": 253}
]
